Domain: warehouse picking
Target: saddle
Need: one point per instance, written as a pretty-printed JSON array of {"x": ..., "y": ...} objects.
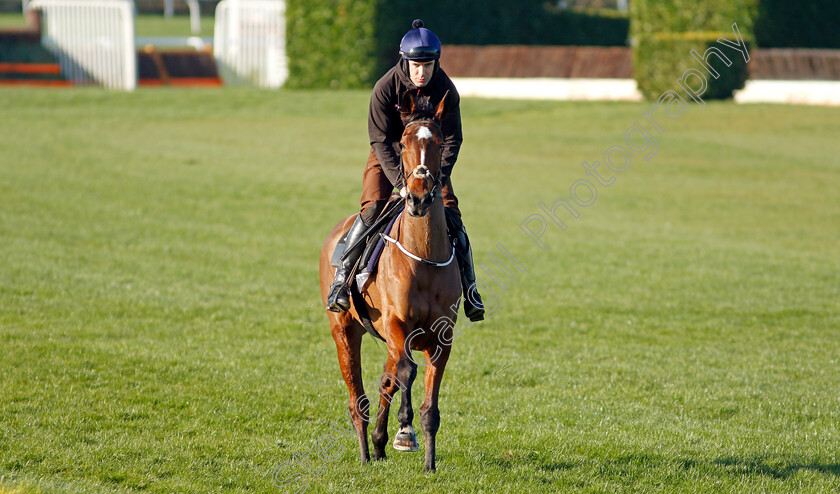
[{"x": 373, "y": 243}]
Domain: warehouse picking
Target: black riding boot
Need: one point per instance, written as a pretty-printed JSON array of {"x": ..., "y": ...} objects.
[
  {"x": 473, "y": 306},
  {"x": 339, "y": 298}
]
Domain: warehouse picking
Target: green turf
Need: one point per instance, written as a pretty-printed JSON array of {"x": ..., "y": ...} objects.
[
  {"x": 179, "y": 25},
  {"x": 144, "y": 25},
  {"x": 9, "y": 19},
  {"x": 161, "y": 328}
]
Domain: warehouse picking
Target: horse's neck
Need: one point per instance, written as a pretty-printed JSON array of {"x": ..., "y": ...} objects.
[{"x": 425, "y": 236}]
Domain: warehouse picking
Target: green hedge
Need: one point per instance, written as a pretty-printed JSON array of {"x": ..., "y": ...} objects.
[
  {"x": 13, "y": 50},
  {"x": 587, "y": 28},
  {"x": 340, "y": 43},
  {"x": 679, "y": 16},
  {"x": 660, "y": 60},
  {"x": 330, "y": 43},
  {"x": 498, "y": 22},
  {"x": 786, "y": 24},
  {"x": 664, "y": 32}
]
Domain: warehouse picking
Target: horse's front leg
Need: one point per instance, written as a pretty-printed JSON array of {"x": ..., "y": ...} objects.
[
  {"x": 429, "y": 412},
  {"x": 406, "y": 439},
  {"x": 405, "y": 371}
]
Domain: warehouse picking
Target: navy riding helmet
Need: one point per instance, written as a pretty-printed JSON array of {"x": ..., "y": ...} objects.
[{"x": 420, "y": 45}]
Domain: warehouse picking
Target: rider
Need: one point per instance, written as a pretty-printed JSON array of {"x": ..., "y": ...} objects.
[{"x": 418, "y": 71}]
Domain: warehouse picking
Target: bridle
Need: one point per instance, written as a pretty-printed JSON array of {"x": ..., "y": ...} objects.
[
  {"x": 436, "y": 185},
  {"x": 435, "y": 193}
]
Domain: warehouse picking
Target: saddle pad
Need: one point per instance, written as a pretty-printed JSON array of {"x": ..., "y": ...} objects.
[{"x": 373, "y": 259}]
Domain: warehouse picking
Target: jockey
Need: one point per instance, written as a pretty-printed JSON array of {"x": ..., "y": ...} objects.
[{"x": 417, "y": 71}]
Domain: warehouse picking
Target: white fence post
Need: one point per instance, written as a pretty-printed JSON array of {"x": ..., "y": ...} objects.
[
  {"x": 93, "y": 40},
  {"x": 250, "y": 42},
  {"x": 195, "y": 16}
]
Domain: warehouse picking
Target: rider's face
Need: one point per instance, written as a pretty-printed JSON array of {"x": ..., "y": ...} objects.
[{"x": 420, "y": 72}]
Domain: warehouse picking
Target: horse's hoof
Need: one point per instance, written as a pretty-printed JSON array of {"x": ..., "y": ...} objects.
[
  {"x": 406, "y": 439},
  {"x": 378, "y": 455}
]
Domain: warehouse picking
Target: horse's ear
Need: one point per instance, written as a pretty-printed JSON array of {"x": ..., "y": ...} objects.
[
  {"x": 407, "y": 105},
  {"x": 442, "y": 108}
]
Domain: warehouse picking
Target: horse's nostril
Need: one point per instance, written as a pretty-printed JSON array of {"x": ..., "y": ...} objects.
[{"x": 418, "y": 205}]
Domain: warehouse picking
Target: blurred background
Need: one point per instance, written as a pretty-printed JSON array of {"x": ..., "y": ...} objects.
[
  {"x": 169, "y": 172},
  {"x": 572, "y": 49}
]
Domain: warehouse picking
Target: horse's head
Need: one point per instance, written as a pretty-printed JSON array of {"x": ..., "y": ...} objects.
[{"x": 422, "y": 147}]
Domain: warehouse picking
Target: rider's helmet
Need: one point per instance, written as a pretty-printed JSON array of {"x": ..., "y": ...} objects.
[{"x": 420, "y": 45}]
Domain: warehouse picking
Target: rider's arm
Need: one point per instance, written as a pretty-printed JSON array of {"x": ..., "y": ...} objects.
[
  {"x": 452, "y": 135},
  {"x": 382, "y": 110}
]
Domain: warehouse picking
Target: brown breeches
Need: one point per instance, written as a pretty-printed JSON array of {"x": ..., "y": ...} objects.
[{"x": 376, "y": 189}]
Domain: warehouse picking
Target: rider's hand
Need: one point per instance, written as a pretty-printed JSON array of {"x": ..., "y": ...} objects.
[{"x": 402, "y": 192}]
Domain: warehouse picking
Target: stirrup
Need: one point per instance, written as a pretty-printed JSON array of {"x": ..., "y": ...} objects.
[{"x": 339, "y": 298}]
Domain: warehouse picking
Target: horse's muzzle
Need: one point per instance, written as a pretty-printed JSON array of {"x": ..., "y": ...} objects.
[{"x": 418, "y": 205}]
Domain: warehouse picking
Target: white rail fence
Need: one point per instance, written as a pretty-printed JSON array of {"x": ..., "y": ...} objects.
[
  {"x": 93, "y": 40},
  {"x": 250, "y": 42},
  {"x": 95, "y": 43}
]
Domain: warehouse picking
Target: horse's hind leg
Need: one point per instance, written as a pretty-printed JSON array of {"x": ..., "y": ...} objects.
[
  {"x": 348, "y": 342},
  {"x": 388, "y": 385},
  {"x": 429, "y": 412}
]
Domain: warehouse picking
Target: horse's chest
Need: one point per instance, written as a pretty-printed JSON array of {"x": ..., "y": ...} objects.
[
  {"x": 431, "y": 298},
  {"x": 419, "y": 293}
]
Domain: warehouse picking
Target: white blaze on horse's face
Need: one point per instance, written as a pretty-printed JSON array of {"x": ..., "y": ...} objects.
[
  {"x": 421, "y": 148},
  {"x": 424, "y": 133}
]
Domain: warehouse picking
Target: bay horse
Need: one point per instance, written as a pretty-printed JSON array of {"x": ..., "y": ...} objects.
[{"x": 416, "y": 287}]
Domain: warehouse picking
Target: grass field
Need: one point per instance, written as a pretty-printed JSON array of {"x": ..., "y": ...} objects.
[
  {"x": 144, "y": 25},
  {"x": 161, "y": 328}
]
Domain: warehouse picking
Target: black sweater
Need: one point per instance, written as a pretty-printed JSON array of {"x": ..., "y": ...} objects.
[{"x": 385, "y": 127}]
